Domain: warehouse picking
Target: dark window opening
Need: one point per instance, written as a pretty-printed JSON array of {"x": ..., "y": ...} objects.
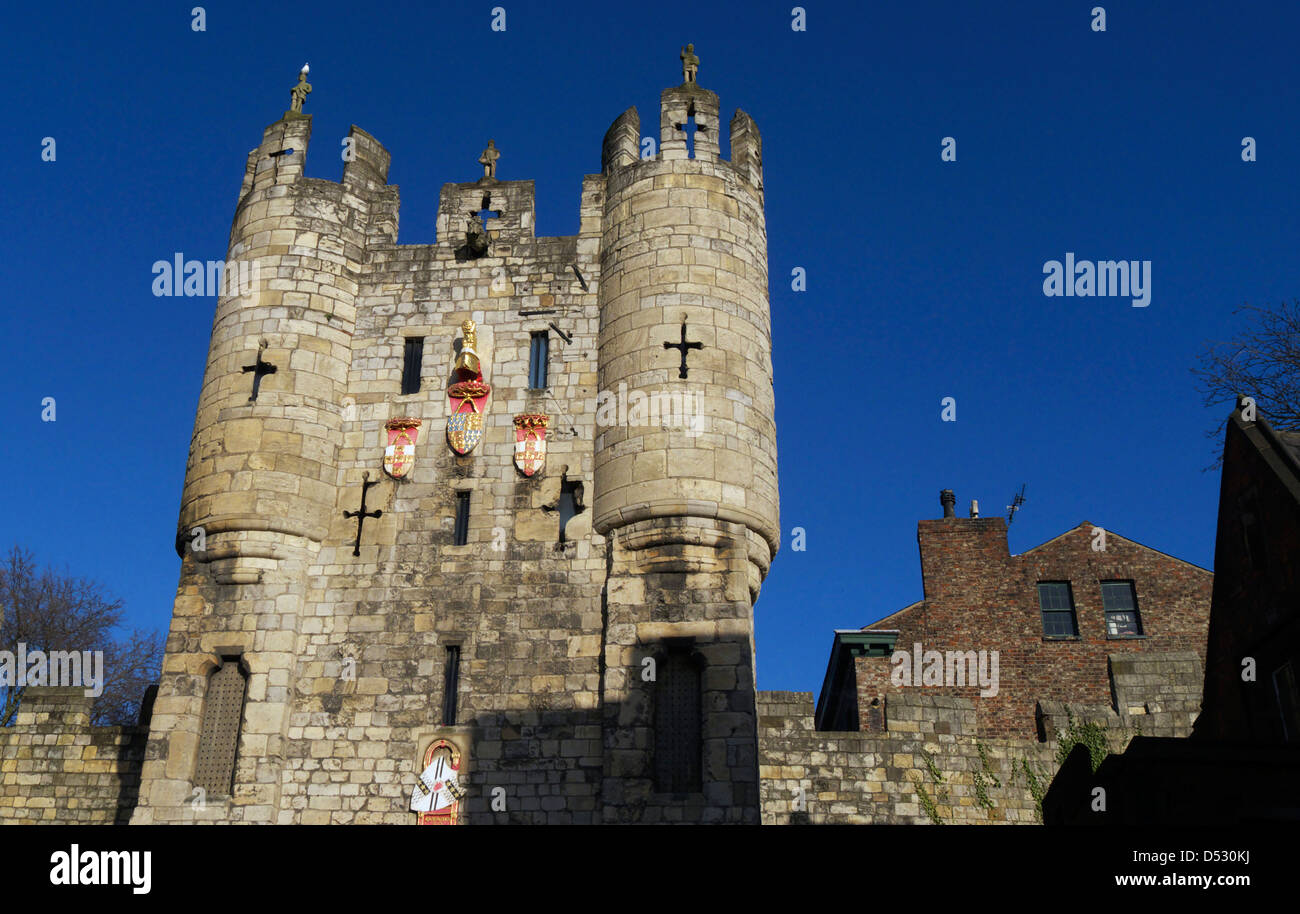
[
  {"x": 1119, "y": 600},
  {"x": 450, "y": 685},
  {"x": 412, "y": 358},
  {"x": 1056, "y": 601},
  {"x": 538, "y": 354},
  {"x": 485, "y": 212},
  {"x": 461, "y": 534},
  {"x": 570, "y": 492},
  {"x": 223, "y": 715},
  {"x": 679, "y": 724},
  {"x": 689, "y": 129}
]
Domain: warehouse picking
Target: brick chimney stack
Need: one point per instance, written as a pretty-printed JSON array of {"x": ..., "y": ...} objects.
[{"x": 958, "y": 552}]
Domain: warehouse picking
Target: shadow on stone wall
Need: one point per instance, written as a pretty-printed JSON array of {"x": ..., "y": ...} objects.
[
  {"x": 1178, "y": 782},
  {"x": 57, "y": 769},
  {"x": 579, "y": 766}
]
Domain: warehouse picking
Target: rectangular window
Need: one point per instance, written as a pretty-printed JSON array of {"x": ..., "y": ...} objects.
[
  {"x": 411, "y": 360},
  {"x": 450, "y": 685},
  {"x": 1056, "y": 601},
  {"x": 538, "y": 353},
  {"x": 1119, "y": 600},
  {"x": 461, "y": 535}
]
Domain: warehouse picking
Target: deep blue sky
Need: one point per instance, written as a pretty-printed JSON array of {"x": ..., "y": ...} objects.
[{"x": 924, "y": 278}]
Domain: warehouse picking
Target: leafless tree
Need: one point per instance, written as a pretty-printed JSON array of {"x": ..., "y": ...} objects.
[
  {"x": 48, "y": 611},
  {"x": 1261, "y": 361}
]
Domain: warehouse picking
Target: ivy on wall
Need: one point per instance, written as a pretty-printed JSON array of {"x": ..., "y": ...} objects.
[{"x": 923, "y": 796}]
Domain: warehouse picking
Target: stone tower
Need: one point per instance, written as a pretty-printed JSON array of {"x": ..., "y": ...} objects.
[
  {"x": 691, "y": 514},
  {"x": 577, "y": 641}
]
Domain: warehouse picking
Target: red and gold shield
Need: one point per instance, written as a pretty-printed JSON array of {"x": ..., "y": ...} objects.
[
  {"x": 530, "y": 442},
  {"x": 399, "y": 456},
  {"x": 466, "y": 401}
]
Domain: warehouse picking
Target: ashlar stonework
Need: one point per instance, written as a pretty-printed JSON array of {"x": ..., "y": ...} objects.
[{"x": 669, "y": 526}]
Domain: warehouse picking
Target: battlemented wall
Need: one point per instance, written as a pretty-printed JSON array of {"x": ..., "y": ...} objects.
[
  {"x": 344, "y": 652},
  {"x": 56, "y": 769},
  {"x": 927, "y": 757},
  {"x": 1155, "y": 694},
  {"x": 928, "y": 767}
]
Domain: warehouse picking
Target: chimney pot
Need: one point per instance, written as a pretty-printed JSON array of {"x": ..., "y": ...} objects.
[
  {"x": 974, "y": 508},
  {"x": 949, "y": 502}
]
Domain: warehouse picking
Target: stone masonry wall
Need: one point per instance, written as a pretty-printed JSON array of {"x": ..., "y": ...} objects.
[
  {"x": 1155, "y": 695},
  {"x": 929, "y": 765},
  {"x": 524, "y": 609},
  {"x": 56, "y": 769},
  {"x": 346, "y": 653}
]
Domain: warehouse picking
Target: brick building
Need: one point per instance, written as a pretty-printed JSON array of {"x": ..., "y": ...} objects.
[
  {"x": 1068, "y": 620},
  {"x": 1240, "y": 762}
]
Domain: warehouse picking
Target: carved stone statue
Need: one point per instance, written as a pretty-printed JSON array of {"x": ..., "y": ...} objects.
[
  {"x": 690, "y": 64},
  {"x": 475, "y": 239},
  {"x": 489, "y": 160},
  {"x": 298, "y": 94}
]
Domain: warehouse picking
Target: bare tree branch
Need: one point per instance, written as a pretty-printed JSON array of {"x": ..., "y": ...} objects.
[
  {"x": 47, "y": 611},
  {"x": 1263, "y": 362}
]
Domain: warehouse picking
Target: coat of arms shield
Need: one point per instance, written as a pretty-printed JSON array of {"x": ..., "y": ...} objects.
[
  {"x": 530, "y": 442},
  {"x": 466, "y": 400},
  {"x": 467, "y": 395},
  {"x": 399, "y": 456}
]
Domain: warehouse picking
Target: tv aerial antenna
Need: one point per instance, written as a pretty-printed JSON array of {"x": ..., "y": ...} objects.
[{"x": 1015, "y": 505}]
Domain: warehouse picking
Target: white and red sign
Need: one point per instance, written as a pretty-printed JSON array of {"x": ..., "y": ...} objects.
[{"x": 530, "y": 442}]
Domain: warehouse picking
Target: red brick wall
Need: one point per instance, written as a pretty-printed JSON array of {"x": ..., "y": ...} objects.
[
  {"x": 873, "y": 685},
  {"x": 978, "y": 597}
]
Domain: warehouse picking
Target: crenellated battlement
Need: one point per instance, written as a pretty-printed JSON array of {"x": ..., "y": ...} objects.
[
  {"x": 689, "y": 130},
  {"x": 502, "y": 212},
  {"x": 684, "y": 262},
  {"x": 554, "y": 566},
  {"x": 280, "y": 157}
]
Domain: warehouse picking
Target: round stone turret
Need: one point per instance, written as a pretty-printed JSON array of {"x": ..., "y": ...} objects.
[
  {"x": 685, "y": 335},
  {"x": 262, "y": 473}
]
